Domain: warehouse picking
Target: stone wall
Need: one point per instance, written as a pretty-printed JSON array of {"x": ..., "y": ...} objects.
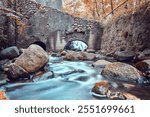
[
  {"x": 28, "y": 21},
  {"x": 129, "y": 32}
]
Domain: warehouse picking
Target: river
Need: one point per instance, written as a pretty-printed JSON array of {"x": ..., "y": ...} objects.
[{"x": 72, "y": 80}]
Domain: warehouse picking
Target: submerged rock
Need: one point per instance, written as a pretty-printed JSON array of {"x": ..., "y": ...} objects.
[
  {"x": 31, "y": 60},
  {"x": 44, "y": 76},
  {"x": 123, "y": 72},
  {"x": 9, "y": 53}
]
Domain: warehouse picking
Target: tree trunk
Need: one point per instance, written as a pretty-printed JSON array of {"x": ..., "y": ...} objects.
[
  {"x": 103, "y": 6},
  {"x": 97, "y": 11},
  {"x": 111, "y": 3}
]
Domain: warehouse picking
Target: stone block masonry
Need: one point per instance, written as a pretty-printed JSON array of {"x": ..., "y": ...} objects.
[{"x": 53, "y": 27}]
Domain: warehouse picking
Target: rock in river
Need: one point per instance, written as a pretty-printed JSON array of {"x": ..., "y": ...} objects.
[
  {"x": 101, "y": 63},
  {"x": 101, "y": 88},
  {"x": 123, "y": 72},
  {"x": 31, "y": 60},
  {"x": 72, "y": 55}
]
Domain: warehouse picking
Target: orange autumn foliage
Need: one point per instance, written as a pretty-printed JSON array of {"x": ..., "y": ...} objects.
[
  {"x": 98, "y": 9},
  {"x": 20, "y": 25},
  {"x": 3, "y": 96}
]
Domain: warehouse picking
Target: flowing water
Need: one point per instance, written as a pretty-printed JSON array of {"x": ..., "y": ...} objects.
[{"x": 71, "y": 81}]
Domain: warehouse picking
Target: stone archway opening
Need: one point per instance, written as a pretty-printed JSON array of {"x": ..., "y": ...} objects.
[
  {"x": 41, "y": 44},
  {"x": 76, "y": 45}
]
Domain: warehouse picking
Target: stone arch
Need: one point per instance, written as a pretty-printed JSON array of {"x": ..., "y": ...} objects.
[
  {"x": 41, "y": 44},
  {"x": 76, "y": 44}
]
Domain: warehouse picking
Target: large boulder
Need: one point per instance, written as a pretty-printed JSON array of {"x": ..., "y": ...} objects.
[
  {"x": 122, "y": 72},
  {"x": 31, "y": 60},
  {"x": 9, "y": 53}
]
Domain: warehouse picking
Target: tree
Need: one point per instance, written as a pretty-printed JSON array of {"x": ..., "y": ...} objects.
[{"x": 111, "y": 4}]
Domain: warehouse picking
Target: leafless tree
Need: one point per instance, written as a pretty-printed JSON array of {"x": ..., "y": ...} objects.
[{"x": 111, "y": 4}]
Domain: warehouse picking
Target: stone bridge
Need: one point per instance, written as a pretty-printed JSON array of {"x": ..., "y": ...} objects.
[{"x": 48, "y": 25}]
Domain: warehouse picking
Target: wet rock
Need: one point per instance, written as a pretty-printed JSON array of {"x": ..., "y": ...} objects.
[
  {"x": 124, "y": 56},
  {"x": 130, "y": 96},
  {"x": 116, "y": 95},
  {"x": 101, "y": 63},
  {"x": 3, "y": 82},
  {"x": 33, "y": 59},
  {"x": 45, "y": 76},
  {"x": 3, "y": 95},
  {"x": 9, "y": 53},
  {"x": 76, "y": 45},
  {"x": 56, "y": 55},
  {"x": 15, "y": 72},
  {"x": 72, "y": 55},
  {"x": 122, "y": 72},
  {"x": 108, "y": 90},
  {"x": 144, "y": 67},
  {"x": 101, "y": 89}
]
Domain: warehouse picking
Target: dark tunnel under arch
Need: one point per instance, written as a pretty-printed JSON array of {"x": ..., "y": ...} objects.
[{"x": 41, "y": 44}]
